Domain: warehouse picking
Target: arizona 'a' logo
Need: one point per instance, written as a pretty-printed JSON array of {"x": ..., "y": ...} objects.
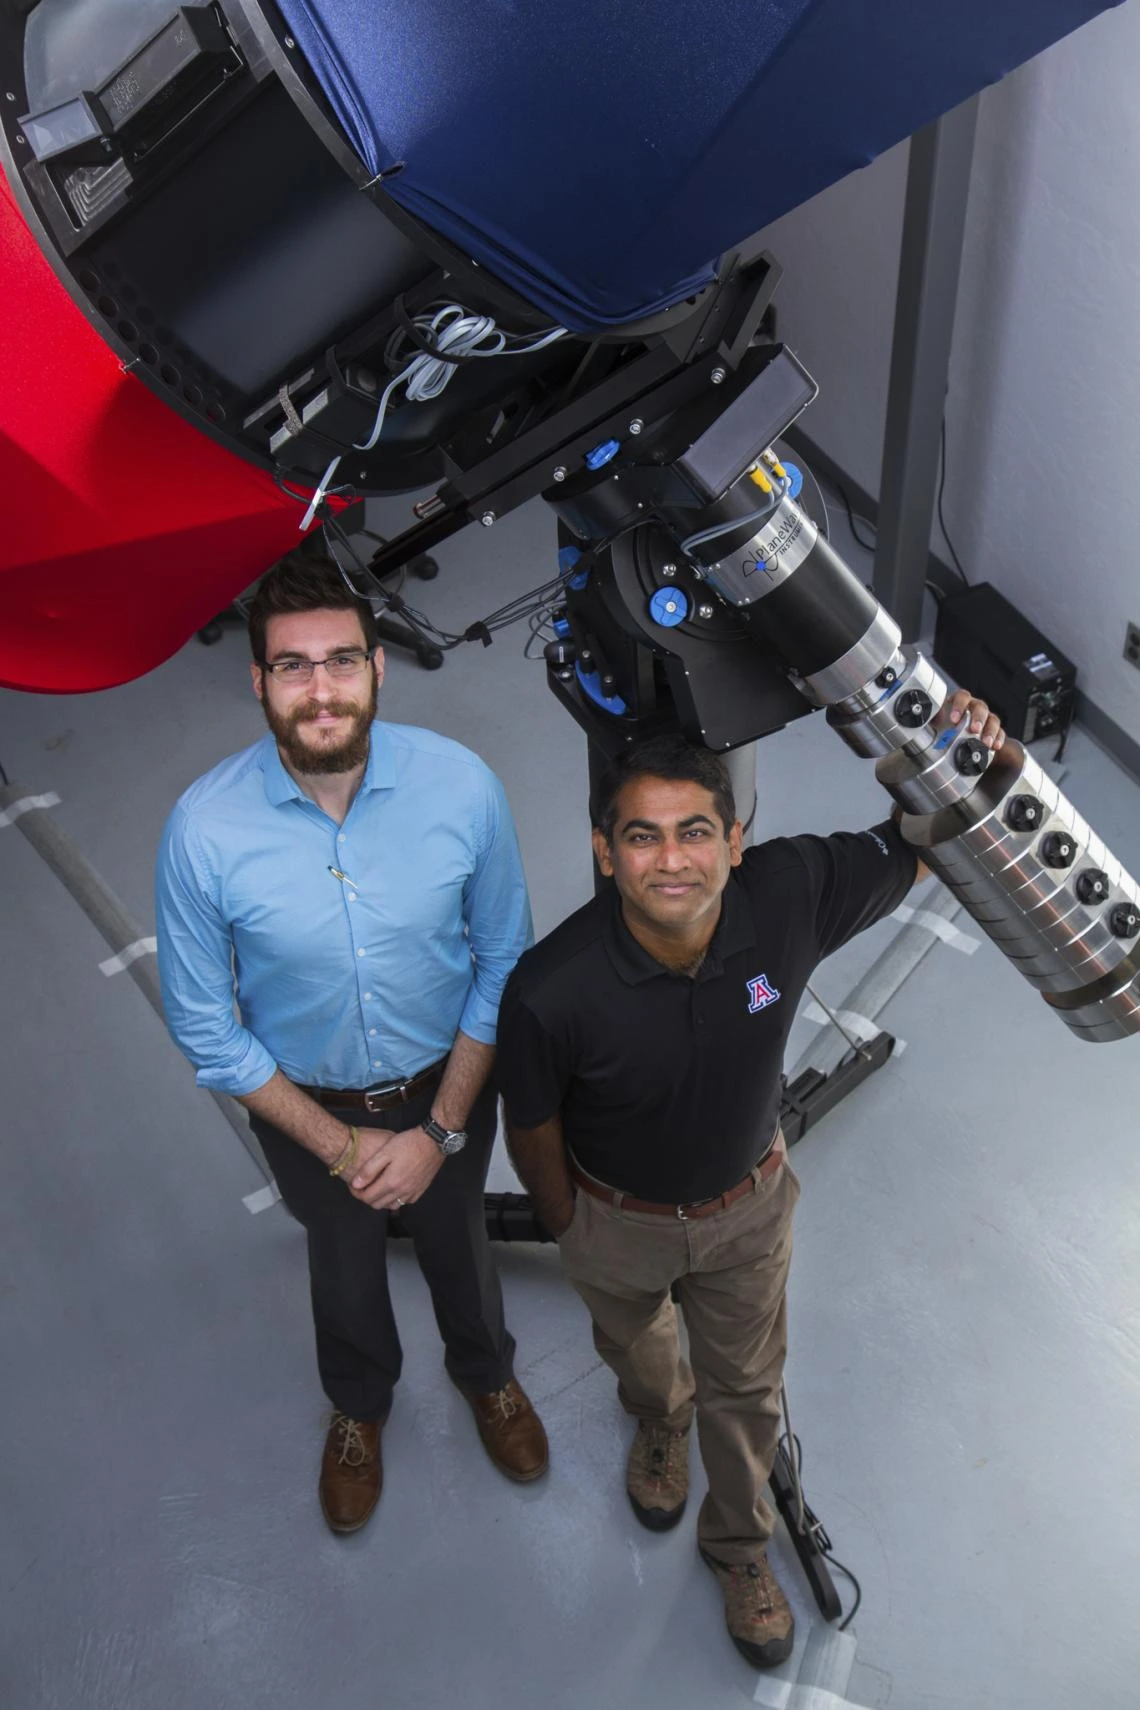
[{"x": 761, "y": 992}]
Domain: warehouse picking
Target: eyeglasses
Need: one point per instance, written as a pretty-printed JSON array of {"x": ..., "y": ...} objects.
[{"x": 339, "y": 667}]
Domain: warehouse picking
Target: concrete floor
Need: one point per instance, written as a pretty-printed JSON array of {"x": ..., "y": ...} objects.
[{"x": 965, "y": 1371}]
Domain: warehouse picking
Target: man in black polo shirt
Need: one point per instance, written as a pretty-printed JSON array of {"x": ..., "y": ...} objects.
[{"x": 640, "y": 1051}]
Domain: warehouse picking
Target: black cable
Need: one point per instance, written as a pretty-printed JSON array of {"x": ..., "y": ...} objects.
[
  {"x": 847, "y": 1574},
  {"x": 1062, "y": 745},
  {"x": 941, "y": 518},
  {"x": 867, "y": 545},
  {"x": 810, "y": 475},
  {"x": 526, "y": 605},
  {"x": 831, "y": 1560}
]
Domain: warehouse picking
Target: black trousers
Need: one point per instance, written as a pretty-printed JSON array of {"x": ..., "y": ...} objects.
[{"x": 358, "y": 1345}]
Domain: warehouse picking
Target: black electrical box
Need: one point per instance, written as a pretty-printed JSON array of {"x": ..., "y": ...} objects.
[{"x": 988, "y": 647}]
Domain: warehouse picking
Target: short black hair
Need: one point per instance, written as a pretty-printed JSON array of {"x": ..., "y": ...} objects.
[
  {"x": 669, "y": 757},
  {"x": 307, "y": 579}
]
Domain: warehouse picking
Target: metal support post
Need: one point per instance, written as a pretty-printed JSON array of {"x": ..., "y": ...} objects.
[{"x": 934, "y": 219}]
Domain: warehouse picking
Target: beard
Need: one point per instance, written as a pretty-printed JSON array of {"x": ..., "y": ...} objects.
[{"x": 327, "y": 754}]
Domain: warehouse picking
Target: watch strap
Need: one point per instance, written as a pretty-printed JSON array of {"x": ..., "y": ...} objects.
[{"x": 448, "y": 1140}]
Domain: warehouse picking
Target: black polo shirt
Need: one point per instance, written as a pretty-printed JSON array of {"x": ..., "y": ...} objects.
[{"x": 669, "y": 1085}]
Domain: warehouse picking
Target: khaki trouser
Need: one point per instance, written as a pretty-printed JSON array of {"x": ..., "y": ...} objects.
[{"x": 730, "y": 1270}]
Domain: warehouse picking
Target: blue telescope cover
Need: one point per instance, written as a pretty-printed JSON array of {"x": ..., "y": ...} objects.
[{"x": 600, "y": 155}]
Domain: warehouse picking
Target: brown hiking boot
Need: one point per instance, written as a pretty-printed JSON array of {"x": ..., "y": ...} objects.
[
  {"x": 756, "y": 1612},
  {"x": 657, "y": 1475},
  {"x": 351, "y": 1472},
  {"x": 512, "y": 1432}
]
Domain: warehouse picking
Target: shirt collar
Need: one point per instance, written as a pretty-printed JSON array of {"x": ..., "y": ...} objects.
[
  {"x": 379, "y": 773},
  {"x": 632, "y": 961}
]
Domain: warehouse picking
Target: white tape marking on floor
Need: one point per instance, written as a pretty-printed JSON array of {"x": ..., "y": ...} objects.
[
  {"x": 863, "y": 1029},
  {"x": 793, "y": 1697},
  {"x": 941, "y": 928},
  {"x": 262, "y": 1199},
  {"x": 140, "y": 947},
  {"x": 26, "y": 804},
  {"x": 826, "y": 1658}
]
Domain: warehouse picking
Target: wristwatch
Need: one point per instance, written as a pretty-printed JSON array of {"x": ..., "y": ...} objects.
[{"x": 448, "y": 1140}]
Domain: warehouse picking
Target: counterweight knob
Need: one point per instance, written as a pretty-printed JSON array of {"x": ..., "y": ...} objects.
[
  {"x": 913, "y": 708},
  {"x": 1125, "y": 920},
  {"x": 970, "y": 758},
  {"x": 1024, "y": 813},
  {"x": 1092, "y": 885},
  {"x": 1058, "y": 849}
]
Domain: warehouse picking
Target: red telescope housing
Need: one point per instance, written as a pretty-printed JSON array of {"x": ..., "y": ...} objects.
[{"x": 123, "y": 519}]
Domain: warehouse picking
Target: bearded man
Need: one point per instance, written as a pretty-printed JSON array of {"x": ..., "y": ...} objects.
[{"x": 357, "y": 887}]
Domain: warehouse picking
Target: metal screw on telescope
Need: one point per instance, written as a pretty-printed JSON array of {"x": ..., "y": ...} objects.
[
  {"x": 636, "y": 425},
  {"x": 705, "y": 611},
  {"x": 487, "y": 519},
  {"x": 560, "y": 472},
  {"x": 669, "y": 570},
  {"x": 717, "y": 376}
]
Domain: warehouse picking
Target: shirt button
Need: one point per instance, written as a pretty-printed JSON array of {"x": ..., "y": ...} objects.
[
  {"x": 352, "y": 896},
  {"x": 371, "y": 1033},
  {"x": 360, "y": 952},
  {"x": 368, "y": 997},
  {"x": 375, "y": 1062},
  {"x": 341, "y": 838}
]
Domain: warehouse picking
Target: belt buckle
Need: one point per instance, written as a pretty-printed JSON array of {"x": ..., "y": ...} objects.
[{"x": 385, "y": 1091}]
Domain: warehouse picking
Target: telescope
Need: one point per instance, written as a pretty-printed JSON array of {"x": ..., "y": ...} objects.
[{"x": 262, "y": 262}]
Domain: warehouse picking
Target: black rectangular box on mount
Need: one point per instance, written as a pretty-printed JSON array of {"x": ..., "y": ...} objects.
[{"x": 988, "y": 647}]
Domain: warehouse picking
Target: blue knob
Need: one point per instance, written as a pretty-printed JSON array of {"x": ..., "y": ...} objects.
[
  {"x": 669, "y": 607},
  {"x": 602, "y": 454},
  {"x": 795, "y": 479}
]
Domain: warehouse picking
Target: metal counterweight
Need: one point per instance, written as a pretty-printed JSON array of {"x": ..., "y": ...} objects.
[{"x": 994, "y": 827}]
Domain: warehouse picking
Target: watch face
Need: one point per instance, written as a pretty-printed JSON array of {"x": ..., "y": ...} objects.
[{"x": 449, "y": 1140}]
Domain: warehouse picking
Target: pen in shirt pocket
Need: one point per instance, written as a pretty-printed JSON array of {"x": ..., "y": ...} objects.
[{"x": 344, "y": 878}]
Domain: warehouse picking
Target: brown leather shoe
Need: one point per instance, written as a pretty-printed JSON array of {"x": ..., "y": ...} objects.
[
  {"x": 512, "y": 1432},
  {"x": 351, "y": 1472}
]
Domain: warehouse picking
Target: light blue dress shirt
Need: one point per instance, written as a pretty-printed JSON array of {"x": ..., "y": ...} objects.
[{"x": 339, "y": 982}]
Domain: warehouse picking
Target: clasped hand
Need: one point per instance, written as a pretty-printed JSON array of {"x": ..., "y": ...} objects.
[{"x": 393, "y": 1169}]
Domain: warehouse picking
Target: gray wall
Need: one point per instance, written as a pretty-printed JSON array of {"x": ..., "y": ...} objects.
[{"x": 1043, "y": 422}]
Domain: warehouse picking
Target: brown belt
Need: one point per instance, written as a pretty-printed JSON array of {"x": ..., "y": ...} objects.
[
  {"x": 380, "y": 1097},
  {"x": 760, "y": 1172}
]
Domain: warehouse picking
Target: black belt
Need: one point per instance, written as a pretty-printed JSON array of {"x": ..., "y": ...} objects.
[{"x": 383, "y": 1097}]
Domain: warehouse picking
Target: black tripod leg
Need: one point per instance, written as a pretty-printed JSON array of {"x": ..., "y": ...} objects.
[{"x": 803, "y": 1539}]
